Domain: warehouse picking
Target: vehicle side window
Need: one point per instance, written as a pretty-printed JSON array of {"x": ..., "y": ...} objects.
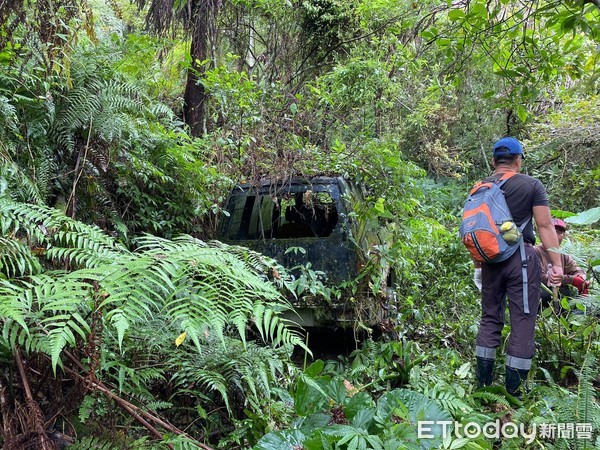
[
  {"x": 261, "y": 225},
  {"x": 251, "y": 219},
  {"x": 240, "y": 211}
]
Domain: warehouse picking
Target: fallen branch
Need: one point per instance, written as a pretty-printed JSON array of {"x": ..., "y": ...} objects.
[{"x": 141, "y": 416}]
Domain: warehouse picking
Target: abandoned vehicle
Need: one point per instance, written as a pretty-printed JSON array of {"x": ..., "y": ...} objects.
[{"x": 314, "y": 220}]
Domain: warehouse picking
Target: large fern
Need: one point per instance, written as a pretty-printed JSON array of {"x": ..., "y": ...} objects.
[
  {"x": 27, "y": 164},
  {"x": 94, "y": 442},
  {"x": 178, "y": 312},
  {"x": 19, "y": 183},
  {"x": 59, "y": 238},
  {"x": 554, "y": 404},
  {"x": 585, "y": 407},
  {"x": 229, "y": 370}
]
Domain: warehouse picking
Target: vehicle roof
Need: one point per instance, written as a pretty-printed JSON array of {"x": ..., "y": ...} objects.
[{"x": 293, "y": 181}]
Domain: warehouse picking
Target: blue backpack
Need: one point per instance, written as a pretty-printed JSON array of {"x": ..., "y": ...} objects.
[{"x": 487, "y": 228}]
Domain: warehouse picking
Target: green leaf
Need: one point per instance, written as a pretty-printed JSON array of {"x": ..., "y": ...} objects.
[
  {"x": 509, "y": 73},
  {"x": 380, "y": 209},
  {"x": 281, "y": 440},
  {"x": 463, "y": 371},
  {"x": 479, "y": 10},
  {"x": 418, "y": 408},
  {"x": 310, "y": 396},
  {"x": 569, "y": 22},
  {"x": 586, "y": 217},
  {"x": 358, "y": 403},
  {"x": 315, "y": 368},
  {"x": 560, "y": 214},
  {"x": 456, "y": 14},
  {"x": 459, "y": 443},
  {"x": 521, "y": 112}
]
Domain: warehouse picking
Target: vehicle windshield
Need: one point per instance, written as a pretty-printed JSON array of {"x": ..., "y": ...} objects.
[{"x": 298, "y": 213}]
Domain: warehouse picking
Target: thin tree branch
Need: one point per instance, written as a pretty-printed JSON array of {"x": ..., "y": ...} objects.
[
  {"x": 137, "y": 413},
  {"x": 34, "y": 409},
  {"x": 77, "y": 165},
  {"x": 335, "y": 47},
  {"x": 140, "y": 415}
]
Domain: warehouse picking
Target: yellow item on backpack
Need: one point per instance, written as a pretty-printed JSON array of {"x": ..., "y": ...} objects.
[{"x": 510, "y": 232}]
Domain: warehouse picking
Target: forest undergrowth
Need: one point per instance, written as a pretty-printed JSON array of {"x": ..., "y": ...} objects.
[{"x": 123, "y": 128}]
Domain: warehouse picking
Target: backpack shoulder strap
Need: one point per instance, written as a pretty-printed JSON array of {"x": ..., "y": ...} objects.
[
  {"x": 504, "y": 178},
  {"x": 492, "y": 179},
  {"x": 524, "y": 224},
  {"x": 524, "y": 276},
  {"x": 524, "y": 267}
]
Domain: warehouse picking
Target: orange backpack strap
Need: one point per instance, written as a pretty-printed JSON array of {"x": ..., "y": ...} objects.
[
  {"x": 486, "y": 182},
  {"x": 506, "y": 176}
]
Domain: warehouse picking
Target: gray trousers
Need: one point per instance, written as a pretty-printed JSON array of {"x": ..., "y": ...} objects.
[{"x": 501, "y": 281}]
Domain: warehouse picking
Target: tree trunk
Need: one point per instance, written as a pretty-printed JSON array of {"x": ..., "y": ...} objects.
[{"x": 203, "y": 34}]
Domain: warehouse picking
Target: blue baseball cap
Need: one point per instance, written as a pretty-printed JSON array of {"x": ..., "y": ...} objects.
[{"x": 508, "y": 146}]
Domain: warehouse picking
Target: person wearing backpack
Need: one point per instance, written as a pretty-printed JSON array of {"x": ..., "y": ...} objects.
[{"x": 513, "y": 273}]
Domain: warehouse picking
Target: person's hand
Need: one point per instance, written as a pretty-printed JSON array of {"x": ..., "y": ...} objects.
[
  {"x": 477, "y": 279},
  {"x": 555, "y": 276},
  {"x": 581, "y": 284}
]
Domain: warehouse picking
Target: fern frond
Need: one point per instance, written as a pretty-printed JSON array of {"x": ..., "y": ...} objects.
[
  {"x": 218, "y": 289},
  {"x": 50, "y": 314},
  {"x": 22, "y": 186},
  {"x": 14, "y": 307},
  {"x": 97, "y": 443},
  {"x": 450, "y": 401},
  {"x": 17, "y": 260},
  {"x": 121, "y": 96},
  {"x": 586, "y": 408},
  {"x": 246, "y": 369},
  {"x": 159, "y": 404},
  {"x": 274, "y": 328},
  {"x": 161, "y": 110},
  {"x": 491, "y": 397},
  {"x": 64, "y": 238},
  {"x": 559, "y": 405},
  {"x": 212, "y": 381},
  {"x": 8, "y": 113},
  {"x": 254, "y": 261},
  {"x": 165, "y": 285},
  {"x": 75, "y": 110}
]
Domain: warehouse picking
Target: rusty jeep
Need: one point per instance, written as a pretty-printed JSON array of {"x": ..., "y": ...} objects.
[{"x": 313, "y": 222}]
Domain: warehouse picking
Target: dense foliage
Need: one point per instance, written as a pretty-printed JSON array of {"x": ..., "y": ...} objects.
[{"x": 124, "y": 325}]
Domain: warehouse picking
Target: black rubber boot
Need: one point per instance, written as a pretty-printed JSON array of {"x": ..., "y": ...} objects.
[
  {"x": 513, "y": 380},
  {"x": 484, "y": 371}
]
